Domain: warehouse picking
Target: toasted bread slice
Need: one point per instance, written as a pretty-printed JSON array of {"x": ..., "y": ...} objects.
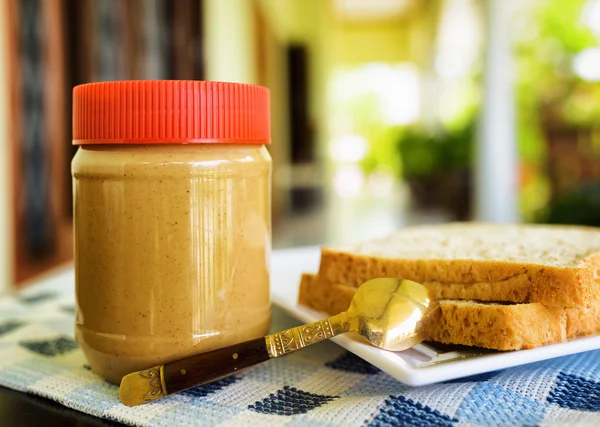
[{"x": 551, "y": 265}]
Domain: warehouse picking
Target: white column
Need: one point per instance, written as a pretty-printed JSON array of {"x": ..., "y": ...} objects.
[{"x": 496, "y": 180}]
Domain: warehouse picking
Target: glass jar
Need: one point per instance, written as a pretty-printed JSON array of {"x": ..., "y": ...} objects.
[{"x": 172, "y": 219}]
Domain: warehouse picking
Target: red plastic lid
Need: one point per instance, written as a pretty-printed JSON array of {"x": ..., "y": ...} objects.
[{"x": 170, "y": 111}]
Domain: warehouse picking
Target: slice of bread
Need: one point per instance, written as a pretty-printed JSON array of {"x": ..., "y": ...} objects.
[
  {"x": 551, "y": 265},
  {"x": 472, "y": 323},
  {"x": 499, "y": 326}
]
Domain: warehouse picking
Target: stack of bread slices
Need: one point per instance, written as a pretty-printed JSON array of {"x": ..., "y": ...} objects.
[{"x": 499, "y": 286}]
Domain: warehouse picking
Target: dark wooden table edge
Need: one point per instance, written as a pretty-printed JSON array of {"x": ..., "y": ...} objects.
[{"x": 25, "y": 409}]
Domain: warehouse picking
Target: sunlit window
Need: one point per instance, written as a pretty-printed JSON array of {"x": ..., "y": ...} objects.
[
  {"x": 348, "y": 149},
  {"x": 393, "y": 89},
  {"x": 587, "y": 64},
  {"x": 348, "y": 181},
  {"x": 590, "y": 15},
  {"x": 366, "y": 102}
]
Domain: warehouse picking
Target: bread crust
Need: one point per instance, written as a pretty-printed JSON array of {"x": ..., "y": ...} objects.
[{"x": 329, "y": 299}]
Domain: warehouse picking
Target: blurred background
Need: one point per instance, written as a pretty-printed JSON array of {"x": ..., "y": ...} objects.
[{"x": 385, "y": 113}]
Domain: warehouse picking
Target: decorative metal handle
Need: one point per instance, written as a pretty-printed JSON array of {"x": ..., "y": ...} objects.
[
  {"x": 293, "y": 339},
  {"x": 159, "y": 381}
]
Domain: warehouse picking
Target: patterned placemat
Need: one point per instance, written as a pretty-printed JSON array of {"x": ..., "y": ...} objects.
[{"x": 322, "y": 385}]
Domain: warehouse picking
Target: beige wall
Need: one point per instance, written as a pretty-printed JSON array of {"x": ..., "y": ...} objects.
[
  {"x": 307, "y": 22},
  {"x": 371, "y": 42},
  {"x": 229, "y": 41},
  {"x": 231, "y": 44},
  {"x": 274, "y": 70}
]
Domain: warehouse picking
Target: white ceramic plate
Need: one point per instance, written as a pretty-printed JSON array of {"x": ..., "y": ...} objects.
[{"x": 419, "y": 365}]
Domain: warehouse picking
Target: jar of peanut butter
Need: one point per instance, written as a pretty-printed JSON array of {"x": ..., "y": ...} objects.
[{"x": 172, "y": 220}]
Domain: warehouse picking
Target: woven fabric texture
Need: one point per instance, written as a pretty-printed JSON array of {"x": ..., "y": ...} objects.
[{"x": 322, "y": 385}]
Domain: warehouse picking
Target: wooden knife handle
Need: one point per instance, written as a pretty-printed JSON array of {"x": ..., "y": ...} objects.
[{"x": 213, "y": 365}]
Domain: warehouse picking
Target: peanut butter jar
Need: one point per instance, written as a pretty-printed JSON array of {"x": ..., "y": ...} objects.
[{"x": 172, "y": 220}]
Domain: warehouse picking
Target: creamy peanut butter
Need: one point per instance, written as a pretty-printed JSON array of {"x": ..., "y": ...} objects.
[{"x": 172, "y": 248}]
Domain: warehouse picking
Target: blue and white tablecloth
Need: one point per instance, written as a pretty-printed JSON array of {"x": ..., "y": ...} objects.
[{"x": 322, "y": 385}]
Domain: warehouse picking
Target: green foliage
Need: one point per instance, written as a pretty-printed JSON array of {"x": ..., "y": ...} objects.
[
  {"x": 559, "y": 20},
  {"x": 550, "y": 95},
  {"x": 382, "y": 154},
  {"x": 580, "y": 207},
  {"x": 550, "y": 37},
  {"x": 425, "y": 153}
]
